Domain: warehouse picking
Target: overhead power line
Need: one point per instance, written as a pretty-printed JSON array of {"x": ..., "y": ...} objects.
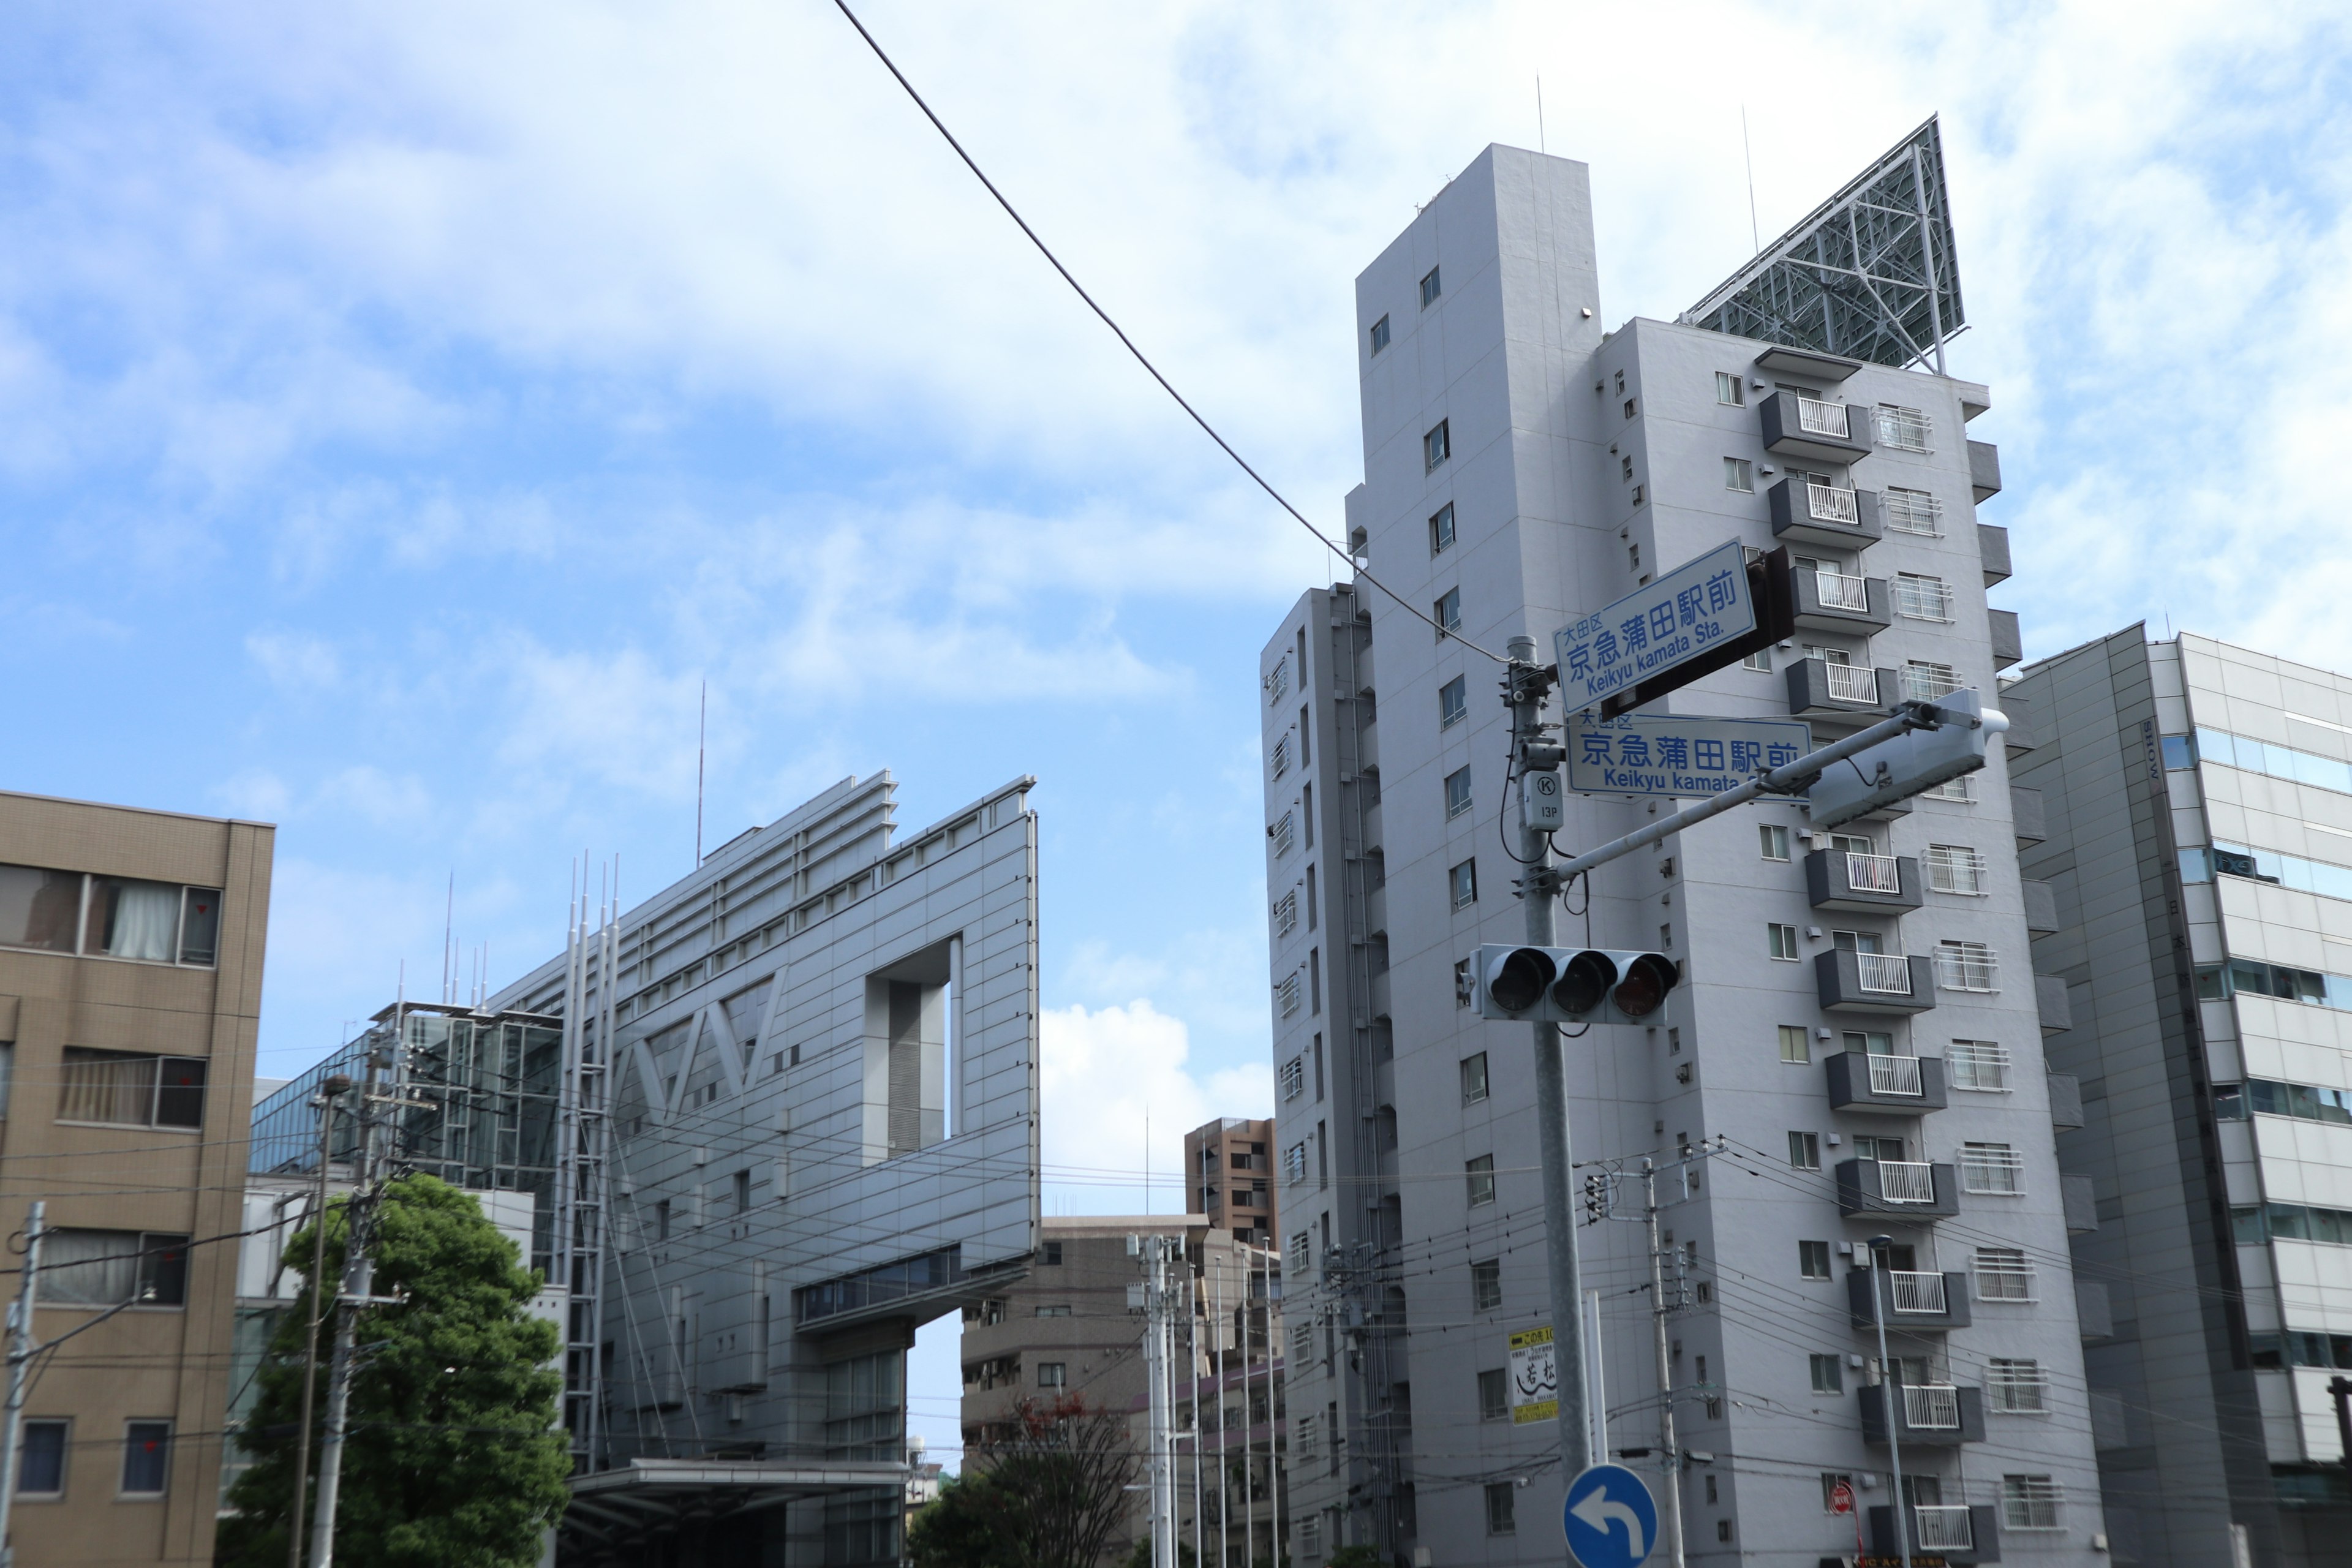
[{"x": 1140, "y": 358}]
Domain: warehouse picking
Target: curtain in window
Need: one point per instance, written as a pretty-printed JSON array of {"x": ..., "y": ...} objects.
[
  {"x": 37, "y": 909},
  {"x": 139, "y": 920},
  {"x": 88, "y": 1267},
  {"x": 107, "y": 1086}
]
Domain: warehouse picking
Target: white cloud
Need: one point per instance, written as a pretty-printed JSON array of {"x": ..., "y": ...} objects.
[
  {"x": 296, "y": 661},
  {"x": 1106, "y": 1073}
]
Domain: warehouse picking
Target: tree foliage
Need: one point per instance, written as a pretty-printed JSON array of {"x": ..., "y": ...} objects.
[
  {"x": 454, "y": 1458},
  {"x": 1044, "y": 1489}
]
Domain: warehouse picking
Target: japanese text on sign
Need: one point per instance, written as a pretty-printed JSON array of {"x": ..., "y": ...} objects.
[
  {"x": 1655, "y": 628},
  {"x": 1669, "y": 755},
  {"x": 1535, "y": 1383}
]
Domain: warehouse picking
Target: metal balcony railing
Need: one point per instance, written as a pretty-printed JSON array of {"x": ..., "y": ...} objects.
[
  {"x": 1905, "y": 429},
  {"x": 1978, "y": 1064},
  {"x": 1828, "y": 503},
  {"x": 2004, "y": 1281},
  {"x": 1915, "y": 511},
  {"x": 1872, "y": 873},
  {"x": 1992, "y": 1168},
  {"x": 1839, "y": 591},
  {"x": 1906, "y": 1182},
  {"x": 1852, "y": 683},
  {"x": 1955, "y": 868},
  {"x": 1818, "y": 418},
  {"x": 1922, "y": 598},
  {"x": 1895, "y": 1075},
  {"x": 1966, "y": 966},
  {"x": 1887, "y": 974},
  {"x": 1931, "y": 1407},
  {"x": 1942, "y": 1527},
  {"x": 1921, "y": 1293}
]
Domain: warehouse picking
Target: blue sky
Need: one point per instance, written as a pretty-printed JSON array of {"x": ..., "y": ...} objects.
[{"x": 404, "y": 410}]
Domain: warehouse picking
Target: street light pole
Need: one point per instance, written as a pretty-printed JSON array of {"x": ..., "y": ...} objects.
[{"x": 1888, "y": 1405}]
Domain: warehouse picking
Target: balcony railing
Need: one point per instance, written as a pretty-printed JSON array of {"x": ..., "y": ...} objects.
[
  {"x": 1915, "y": 511},
  {"x": 1931, "y": 1407},
  {"x": 1887, "y": 974},
  {"x": 2004, "y": 1281},
  {"x": 1829, "y": 503},
  {"x": 1955, "y": 868},
  {"x": 1966, "y": 966},
  {"x": 1992, "y": 1168},
  {"x": 1906, "y": 1182},
  {"x": 1872, "y": 873},
  {"x": 1817, "y": 418},
  {"x": 1942, "y": 1527},
  {"x": 1978, "y": 1064},
  {"x": 1839, "y": 591},
  {"x": 1905, "y": 429},
  {"x": 1852, "y": 683},
  {"x": 1895, "y": 1075},
  {"x": 1917, "y": 1292},
  {"x": 1923, "y": 598}
]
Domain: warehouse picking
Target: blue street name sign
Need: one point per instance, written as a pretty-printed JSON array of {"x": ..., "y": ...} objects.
[
  {"x": 1611, "y": 1519},
  {"x": 1679, "y": 617},
  {"x": 1669, "y": 755}
]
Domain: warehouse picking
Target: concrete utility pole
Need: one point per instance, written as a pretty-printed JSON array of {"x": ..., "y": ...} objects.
[
  {"x": 1890, "y": 1393},
  {"x": 1539, "y": 884},
  {"x": 1157, "y": 1301},
  {"x": 1670, "y": 1458},
  {"x": 21, "y": 1351},
  {"x": 1273, "y": 1411},
  {"x": 330, "y": 1090},
  {"x": 359, "y": 1274}
]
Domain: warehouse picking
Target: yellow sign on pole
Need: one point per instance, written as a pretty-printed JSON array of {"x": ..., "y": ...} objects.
[{"x": 1535, "y": 1381}]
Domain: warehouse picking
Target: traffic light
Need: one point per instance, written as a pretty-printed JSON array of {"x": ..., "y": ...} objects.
[{"x": 1571, "y": 985}]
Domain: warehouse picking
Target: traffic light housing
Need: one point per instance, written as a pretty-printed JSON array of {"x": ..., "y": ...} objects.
[{"x": 1572, "y": 986}]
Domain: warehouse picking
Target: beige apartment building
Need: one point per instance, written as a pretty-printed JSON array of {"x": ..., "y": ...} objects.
[
  {"x": 131, "y": 952},
  {"x": 1227, "y": 1177}
]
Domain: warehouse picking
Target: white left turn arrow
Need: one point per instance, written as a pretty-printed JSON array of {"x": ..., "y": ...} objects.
[{"x": 1597, "y": 1510}]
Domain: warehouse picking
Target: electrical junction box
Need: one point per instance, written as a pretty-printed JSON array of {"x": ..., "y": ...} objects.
[{"x": 1542, "y": 807}]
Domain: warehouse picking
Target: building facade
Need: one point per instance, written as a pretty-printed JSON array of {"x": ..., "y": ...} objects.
[
  {"x": 130, "y": 957},
  {"x": 2199, "y": 848},
  {"x": 1860, "y": 1022},
  {"x": 1228, "y": 1175}
]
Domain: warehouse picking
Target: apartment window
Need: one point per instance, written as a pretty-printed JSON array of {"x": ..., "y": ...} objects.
[
  {"x": 1474, "y": 1078},
  {"x": 1294, "y": 1078},
  {"x": 1500, "y": 1503},
  {"x": 1739, "y": 476},
  {"x": 1309, "y": 1443},
  {"x": 119, "y": 1088},
  {"x": 1380, "y": 334},
  {"x": 1805, "y": 1151},
  {"x": 1629, "y": 408},
  {"x": 1287, "y": 993},
  {"x": 1286, "y": 913},
  {"x": 1955, "y": 868},
  {"x": 2179, "y": 752},
  {"x": 1493, "y": 1395},
  {"x": 146, "y": 1458},
  {"x": 1729, "y": 390},
  {"x": 1053, "y": 1310},
  {"x": 1760, "y": 660},
  {"x": 41, "y": 1459},
  {"x": 1315, "y": 980},
  {"x": 1447, "y": 612},
  {"x": 109, "y": 1268},
  {"x": 2014, "y": 1387},
  {"x": 1625, "y": 468},
  {"x": 1924, "y": 680},
  {"x": 1993, "y": 1168},
  {"x": 1796, "y": 1045},
  {"x": 1436, "y": 446},
  {"x": 1905, "y": 429},
  {"x": 742, "y": 1192},
  {"x": 1479, "y": 1174},
  {"x": 1453, "y": 703},
  {"x": 1829, "y": 1374},
  {"x": 1277, "y": 680},
  {"x": 1441, "y": 529},
  {"x": 1922, "y": 598},
  {"x": 1053, "y": 1259},
  {"x": 1430, "y": 290},
  {"x": 1462, "y": 883},
  {"x": 1812, "y": 1260},
  {"x": 2029, "y": 1502},
  {"x": 1966, "y": 966},
  {"x": 661, "y": 1220},
  {"x": 1458, "y": 793},
  {"x": 1782, "y": 942},
  {"x": 110, "y": 917},
  {"x": 1053, "y": 1374},
  {"x": 1772, "y": 842},
  {"x": 1465, "y": 988},
  {"x": 1285, "y": 833},
  {"x": 1913, "y": 512},
  {"x": 1977, "y": 1065},
  {"x": 1294, "y": 1163},
  {"x": 1962, "y": 789},
  {"x": 1486, "y": 1285},
  {"x": 1302, "y": 1257},
  {"x": 1281, "y": 763}
]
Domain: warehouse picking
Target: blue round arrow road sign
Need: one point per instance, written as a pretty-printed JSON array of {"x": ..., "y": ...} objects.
[{"x": 1611, "y": 1519}]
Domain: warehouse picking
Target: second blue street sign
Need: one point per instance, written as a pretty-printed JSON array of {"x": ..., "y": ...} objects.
[{"x": 1675, "y": 756}]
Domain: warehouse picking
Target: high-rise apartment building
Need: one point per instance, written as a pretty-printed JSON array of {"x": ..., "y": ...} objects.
[
  {"x": 2200, "y": 808},
  {"x": 1228, "y": 1176},
  {"x": 131, "y": 952},
  {"x": 1859, "y": 1016}
]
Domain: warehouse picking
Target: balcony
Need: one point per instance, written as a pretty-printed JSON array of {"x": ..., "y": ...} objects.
[
  {"x": 1813, "y": 431},
  {"x": 1834, "y": 602},
  {"x": 2051, "y": 1000},
  {"x": 1862, "y": 884},
  {"x": 1959, "y": 1534},
  {"x": 1886, "y": 1086},
  {"x": 1992, "y": 550},
  {"x": 1818, "y": 688},
  {"x": 1904, "y": 1189},
  {"x": 1873, "y": 982},
  {"x": 2040, "y": 908},
  {"x": 1807, "y": 513},
  {"x": 1929, "y": 1302},
  {"x": 2029, "y": 816},
  {"x": 1984, "y": 469},
  {"x": 1929, "y": 1414},
  {"x": 2008, "y": 639}
]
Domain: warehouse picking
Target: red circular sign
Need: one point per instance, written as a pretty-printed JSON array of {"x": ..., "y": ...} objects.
[{"x": 1841, "y": 1498}]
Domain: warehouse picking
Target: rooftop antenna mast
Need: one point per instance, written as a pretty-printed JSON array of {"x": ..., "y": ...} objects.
[
  {"x": 1755, "y": 235},
  {"x": 701, "y": 750}
]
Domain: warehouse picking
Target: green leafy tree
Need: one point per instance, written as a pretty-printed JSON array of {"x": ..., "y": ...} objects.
[
  {"x": 454, "y": 1458},
  {"x": 1045, "y": 1489}
]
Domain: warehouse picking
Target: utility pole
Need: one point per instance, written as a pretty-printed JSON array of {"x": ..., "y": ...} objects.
[
  {"x": 330, "y": 1090},
  {"x": 1273, "y": 1413},
  {"x": 1539, "y": 883},
  {"x": 359, "y": 1274},
  {"x": 21, "y": 1351},
  {"x": 2339, "y": 1389},
  {"x": 1670, "y": 1460},
  {"x": 1890, "y": 1391},
  {"x": 1156, "y": 1355}
]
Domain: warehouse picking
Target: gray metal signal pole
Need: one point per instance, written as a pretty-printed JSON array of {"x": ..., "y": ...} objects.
[
  {"x": 1538, "y": 885},
  {"x": 21, "y": 1351}
]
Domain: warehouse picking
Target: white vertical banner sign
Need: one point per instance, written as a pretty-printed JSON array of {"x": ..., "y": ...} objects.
[
  {"x": 1596, "y": 1396},
  {"x": 1535, "y": 1378}
]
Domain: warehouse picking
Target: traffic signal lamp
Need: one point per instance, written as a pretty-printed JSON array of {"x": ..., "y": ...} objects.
[{"x": 1572, "y": 986}]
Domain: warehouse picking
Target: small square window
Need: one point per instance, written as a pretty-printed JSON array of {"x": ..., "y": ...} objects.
[
  {"x": 1479, "y": 1176},
  {"x": 1462, "y": 884},
  {"x": 2179, "y": 751},
  {"x": 1796, "y": 1045},
  {"x": 1740, "y": 475},
  {"x": 1805, "y": 1151},
  {"x": 1813, "y": 1259},
  {"x": 1441, "y": 529},
  {"x": 1773, "y": 841},
  {"x": 1453, "y": 703},
  {"x": 1637, "y": 499},
  {"x": 1501, "y": 1509},
  {"x": 1458, "y": 793},
  {"x": 41, "y": 1459},
  {"x": 1052, "y": 1374},
  {"x": 1728, "y": 390},
  {"x": 1722, "y": 1526},
  {"x": 1053, "y": 1257},
  {"x": 146, "y": 1458},
  {"x": 1474, "y": 1078},
  {"x": 1781, "y": 941},
  {"x": 1436, "y": 446},
  {"x": 1493, "y": 1395},
  {"x": 1447, "y": 612},
  {"x": 1380, "y": 334},
  {"x": 1761, "y": 659},
  {"x": 1629, "y": 408},
  {"x": 1828, "y": 1374},
  {"x": 1486, "y": 1285},
  {"x": 1430, "y": 290},
  {"x": 1625, "y": 468},
  {"x": 1466, "y": 989}
]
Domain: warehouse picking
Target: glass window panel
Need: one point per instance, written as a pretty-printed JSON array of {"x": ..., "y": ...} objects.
[
  {"x": 38, "y": 908},
  {"x": 200, "y": 928},
  {"x": 132, "y": 919},
  {"x": 180, "y": 1092},
  {"x": 41, "y": 1459},
  {"x": 107, "y": 1086},
  {"x": 88, "y": 1267},
  {"x": 146, "y": 1458}
]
